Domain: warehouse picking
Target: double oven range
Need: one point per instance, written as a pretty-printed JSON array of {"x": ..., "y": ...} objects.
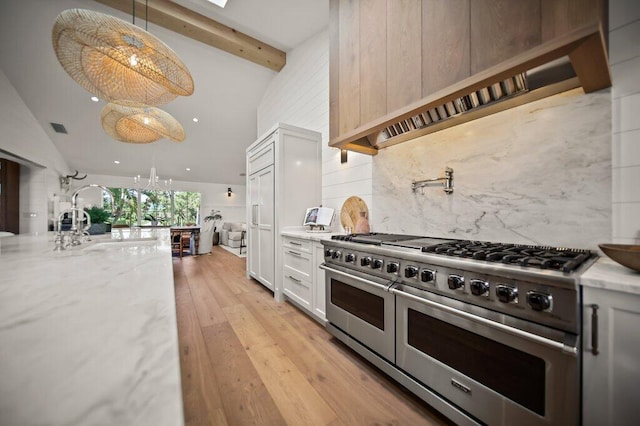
[{"x": 484, "y": 332}]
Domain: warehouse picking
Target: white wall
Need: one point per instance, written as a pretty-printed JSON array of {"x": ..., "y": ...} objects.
[
  {"x": 23, "y": 137},
  {"x": 214, "y": 195},
  {"x": 624, "y": 56},
  {"x": 299, "y": 95}
]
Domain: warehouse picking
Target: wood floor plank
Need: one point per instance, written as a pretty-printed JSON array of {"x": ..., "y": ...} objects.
[
  {"x": 342, "y": 385},
  {"x": 200, "y": 392},
  {"x": 246, "y": 399},
  {"x": 247, "y": 359},
  {"x": 206, "y": 306},
  {"x": 296, "y": 399}
]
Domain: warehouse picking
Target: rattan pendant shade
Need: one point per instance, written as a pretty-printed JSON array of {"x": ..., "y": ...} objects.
[
  {"x": 116, "y": 60},
  {"x": 133, "y": 122}
]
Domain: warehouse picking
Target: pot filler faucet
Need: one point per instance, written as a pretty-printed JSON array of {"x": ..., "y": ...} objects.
[
  {"x": 75, "y": 233},
  {"x": 447, "y": 181}
]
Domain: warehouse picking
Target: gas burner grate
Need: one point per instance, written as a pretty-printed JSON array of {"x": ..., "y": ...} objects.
[{"x": 542, "y": 257}]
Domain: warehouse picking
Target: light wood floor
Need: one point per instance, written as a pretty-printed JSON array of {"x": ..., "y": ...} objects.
[{"x": 246, "y": 359}]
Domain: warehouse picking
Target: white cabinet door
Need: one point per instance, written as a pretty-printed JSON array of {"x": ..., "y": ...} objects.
[
  {"x": 261, "y": 234},
  {"x": 253, "y": 244},
  {"x": 611, "y": 354}
]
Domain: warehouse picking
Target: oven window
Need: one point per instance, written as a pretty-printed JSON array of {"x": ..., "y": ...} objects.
[
  {"x": 508, "y": 371},
  {"x": 366, "y": 306}
]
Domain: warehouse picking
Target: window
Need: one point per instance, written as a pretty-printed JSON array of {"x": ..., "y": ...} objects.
[{"x": 143, "y": 207}]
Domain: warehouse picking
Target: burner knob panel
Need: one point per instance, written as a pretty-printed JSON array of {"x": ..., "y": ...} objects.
[
  {"x": 377, "y": 264},
  {"x": 427, "y": 275},
  {"x": 350, "y": 257},
  {"x": 365, "y": 261},
  {"x": 539, "y": 301},
  {"x": 507, "y": 294},
  {"x": 392, "y": 267},
  {"x": 336, "y": 254},
  {"x": 479, "y": 287},
  {"x": 456, "y": 282},
  {"x": 411, "y": 271}
]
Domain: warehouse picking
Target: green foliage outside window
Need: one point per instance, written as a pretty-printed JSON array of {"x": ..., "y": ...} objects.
[{"x": 156, "y": 207}]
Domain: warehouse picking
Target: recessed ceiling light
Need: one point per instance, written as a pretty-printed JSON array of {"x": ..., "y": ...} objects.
[
  {"x": 220, "y": 3},
  {"x": 188, "y": 169},
  {"x": 95, "y": 99},
  {"x": 116, "y": 161},
  {"x": 195, "y": 119}
]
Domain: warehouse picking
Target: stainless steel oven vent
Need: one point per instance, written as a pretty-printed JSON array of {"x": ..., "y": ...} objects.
[{"x": 505, "y": 89}]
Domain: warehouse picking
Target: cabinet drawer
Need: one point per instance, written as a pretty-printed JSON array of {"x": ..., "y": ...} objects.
[
  {"x": 297, "y": 244},
  {"x": 300, "y": 262},
  {"x": 261, "y": 159},
  {"x": 297, "y": 288}
]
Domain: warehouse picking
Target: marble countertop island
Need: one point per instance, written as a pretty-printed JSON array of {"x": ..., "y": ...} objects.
[{"x": 89, "y": 335}]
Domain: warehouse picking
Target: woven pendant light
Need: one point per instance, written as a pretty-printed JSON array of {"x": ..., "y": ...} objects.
[
  {"x": 133, "y": 122},
  {"x": 117, "y": 60}
]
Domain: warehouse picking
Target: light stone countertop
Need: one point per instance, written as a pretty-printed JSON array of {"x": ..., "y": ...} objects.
[
  {"x": 302, "y": 233},
  {"x": 609, "y": 275},
  {"x": 89, "y": 335}
]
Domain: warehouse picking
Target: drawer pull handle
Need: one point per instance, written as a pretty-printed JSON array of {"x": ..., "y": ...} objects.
[
  {"x": 295, "y": 253},
  {"x": 295, "y": 279},
  {"x": 293, "y": 243}
]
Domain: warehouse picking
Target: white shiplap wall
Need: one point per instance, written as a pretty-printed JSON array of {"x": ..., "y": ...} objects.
[
  {"x": 624, "y": 57},
  {"x": 299, "y": 95},
  {"x": 23, "y": 137}
]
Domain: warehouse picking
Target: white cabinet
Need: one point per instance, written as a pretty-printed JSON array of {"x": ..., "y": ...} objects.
[
  {"x": 303, "y": 279},
  {"x": 611, "y": 354},
  {"x": 260, "y": 257},
  {"x": 283, "y": 180}
]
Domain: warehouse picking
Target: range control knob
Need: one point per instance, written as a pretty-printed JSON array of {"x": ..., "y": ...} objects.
[
  {"x": 455, "y": 282},
  {"x": 479, "y": 287},
  {"x": 365, "y": 261},
  {"x": 506, "y": 293},
  {"x": 392, "y": 267},
  {"x": 539, "y": 301},
  {"x": 427, "y": 275},
  {"x": 377, "y": 264},
  {"x": 328, "y": 253},
  {"x": 336, "y": 254},
  {"x": 350, "y": 257},
  {"x": 411, "y": 271}
]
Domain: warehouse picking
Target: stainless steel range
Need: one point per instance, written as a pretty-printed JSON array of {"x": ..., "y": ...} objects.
[{"x": 484, "y": 332}]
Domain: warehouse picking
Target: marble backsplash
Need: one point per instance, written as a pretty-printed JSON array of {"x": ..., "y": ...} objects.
[{"x": 536, "y": 174}]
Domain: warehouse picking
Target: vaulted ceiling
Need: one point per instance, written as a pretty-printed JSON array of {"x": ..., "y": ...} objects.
[{"x": 228, "y": 88}]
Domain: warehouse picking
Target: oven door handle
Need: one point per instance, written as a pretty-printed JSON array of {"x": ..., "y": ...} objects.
[
  {"x": 568, "y": 349},
  {"x": 351, "y": 277}
]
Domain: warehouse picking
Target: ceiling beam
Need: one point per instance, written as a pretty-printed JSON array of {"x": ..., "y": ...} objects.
[{"x": 181, "y": 20}]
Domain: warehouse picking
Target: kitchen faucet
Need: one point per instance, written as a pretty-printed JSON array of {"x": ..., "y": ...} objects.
[
  {"x": 448, "y": 181},
  {"x": 75, "y": 237},
  {"x": 74, "y": 209}
]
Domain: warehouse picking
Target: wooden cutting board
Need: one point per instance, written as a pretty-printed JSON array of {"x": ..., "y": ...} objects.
[{"x": 350, "y": 212}]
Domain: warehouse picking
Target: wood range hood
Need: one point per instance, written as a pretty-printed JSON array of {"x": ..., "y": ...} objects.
[{"x": 577, "y": 59}]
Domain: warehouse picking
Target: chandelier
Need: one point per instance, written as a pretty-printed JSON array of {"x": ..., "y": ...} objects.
[
  {"x": 116, "y": 60},
  {"x": 132, "y": 122},
  {"x": 154, "y": 183}
]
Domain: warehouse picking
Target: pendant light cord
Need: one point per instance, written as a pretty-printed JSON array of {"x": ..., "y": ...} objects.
[{"x": 146, "y": 13}]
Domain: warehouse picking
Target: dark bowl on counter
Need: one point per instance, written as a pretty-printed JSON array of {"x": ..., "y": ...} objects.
[{"x": 625, "y": 254}]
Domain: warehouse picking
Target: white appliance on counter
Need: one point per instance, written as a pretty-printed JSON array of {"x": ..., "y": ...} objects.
[{"x": 284, "y": 178}]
